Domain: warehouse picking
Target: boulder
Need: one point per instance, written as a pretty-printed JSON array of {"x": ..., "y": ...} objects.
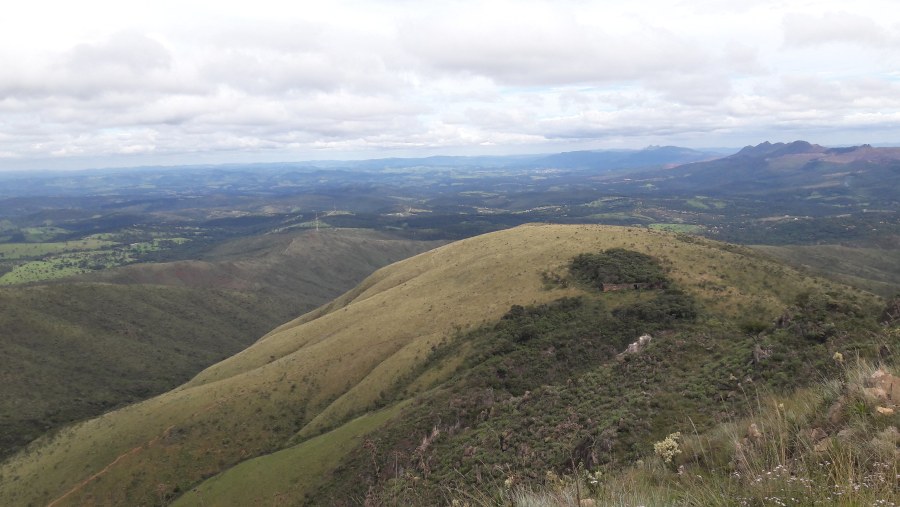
[
  {"x": 884, "y": 388},
  {"x": 884, "y": 410},
  {"x": 817, "y": 434}
]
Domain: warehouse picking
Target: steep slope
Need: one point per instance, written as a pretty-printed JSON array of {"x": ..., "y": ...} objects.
[
  {"x": 332, "y": 261},
  {"x": 876, "y": 270},
  {"x": 301, "y": 388},
  {"x": 124, "y": 335}
]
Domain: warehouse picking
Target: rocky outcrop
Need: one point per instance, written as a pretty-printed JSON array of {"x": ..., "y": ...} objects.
[{"x": 636, "y": 347}]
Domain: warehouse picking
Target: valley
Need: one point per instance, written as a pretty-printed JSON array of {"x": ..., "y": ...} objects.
[
  {"x": 234, "y": 334},
  {"x": 122, "y": 335},
  {"x": 63, "y": 225}
]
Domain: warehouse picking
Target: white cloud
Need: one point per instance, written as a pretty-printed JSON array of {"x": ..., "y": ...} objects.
[
  {"x": 542, "y": 44},
  {"x": 804, "y": 29},
  {"x": 185, "y": 80}
]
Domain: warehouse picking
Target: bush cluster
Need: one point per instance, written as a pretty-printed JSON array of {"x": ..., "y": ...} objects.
[{"x": 616, "y": 265}]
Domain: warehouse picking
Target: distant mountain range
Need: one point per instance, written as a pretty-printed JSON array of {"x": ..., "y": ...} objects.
[
  {"x": 765, "y": 167},
  {"x": 652, "y": 156},
  {"x": 772, "y": 168}
]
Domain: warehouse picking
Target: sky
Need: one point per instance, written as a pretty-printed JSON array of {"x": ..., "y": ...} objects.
[{"x": 117, "y": 84}]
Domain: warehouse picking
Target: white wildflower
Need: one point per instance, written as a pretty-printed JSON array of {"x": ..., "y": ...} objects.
[{"x": 668, "y": 447}]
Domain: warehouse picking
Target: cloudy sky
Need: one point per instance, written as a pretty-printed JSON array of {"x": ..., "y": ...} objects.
[{"x": 98, "y": 84}]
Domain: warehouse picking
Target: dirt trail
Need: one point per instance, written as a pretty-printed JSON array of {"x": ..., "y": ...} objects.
[
  {"x": 105, "y": 469},
  {"x": 133, "y": 451}
]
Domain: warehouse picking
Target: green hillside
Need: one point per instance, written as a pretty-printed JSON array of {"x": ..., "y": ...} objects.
[
  {"x": 876, "y": 270},
  {"x": 124, "y": 335},
  {"x": 456, "y": 370}
]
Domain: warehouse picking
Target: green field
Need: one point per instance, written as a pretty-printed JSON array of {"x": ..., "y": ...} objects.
[
  {"x": 620, "y": 217},
  {"x": 34, "y": 271},
  {"x": 38, "y": 234},
  {"x": 305, "y": 225},
  {"x": 13, "y": 251},
  {"x": 683, "y": 228},
  {"x": 705, "y": 203},
  {"x": 305, "y": 464},
  {"x": 59, "y": 260},
  {"x": 606, "y": 201}
]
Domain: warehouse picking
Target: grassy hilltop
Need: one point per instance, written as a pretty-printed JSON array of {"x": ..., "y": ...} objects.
[{"x": 415, "y": 374}]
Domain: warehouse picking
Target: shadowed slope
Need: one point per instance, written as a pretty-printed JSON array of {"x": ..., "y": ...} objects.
[
  {"x": 150, "y": 327},
  {"x": 298, "y": 266}
]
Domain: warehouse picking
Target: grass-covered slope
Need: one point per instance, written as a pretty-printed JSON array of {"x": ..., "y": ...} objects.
[
  {"x": 74, "y": 350},
  {"x": 876, "y": 270},
  {"x": 375, "y": 346},
  {"x": 305, "y": 267},
  {"x": 557, "y": 388}
]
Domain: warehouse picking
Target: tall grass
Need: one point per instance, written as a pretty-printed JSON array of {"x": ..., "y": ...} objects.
[{"x": 827, "y": 445}]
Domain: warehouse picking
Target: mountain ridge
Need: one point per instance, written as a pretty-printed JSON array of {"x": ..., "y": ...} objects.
[
  {"x": 798, "y": 169},
  {"x": 324, "y": 369}
]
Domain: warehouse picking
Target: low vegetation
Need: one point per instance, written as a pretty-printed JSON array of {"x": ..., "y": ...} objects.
[
  {"x": 555, "y": 392},
  {"x": 416, "y": 386},
  {"x": 616, "y": 266},
  {"x": 834, "y": 443}
]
